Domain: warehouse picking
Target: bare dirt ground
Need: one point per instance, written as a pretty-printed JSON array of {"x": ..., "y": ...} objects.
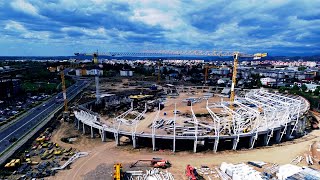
[
  {"x": 102, "y": 156},
  {"x": 198, "y": 108}
]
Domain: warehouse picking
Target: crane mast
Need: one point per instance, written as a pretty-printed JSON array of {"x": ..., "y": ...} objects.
[
  {"x": 96, "y": 74},
  {"x": 234, "y": 78},
  {"x": 64, "y": 92}
]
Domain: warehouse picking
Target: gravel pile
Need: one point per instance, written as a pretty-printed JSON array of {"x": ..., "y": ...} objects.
[{"x": 102, "y": 172}]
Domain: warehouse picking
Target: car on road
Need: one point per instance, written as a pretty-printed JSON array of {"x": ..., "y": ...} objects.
[{"x": 13, "y": 139}]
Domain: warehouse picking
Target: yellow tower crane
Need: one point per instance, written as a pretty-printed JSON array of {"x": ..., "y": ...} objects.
[
  {"x": 236, "y": 56},
  {"x": 61, "y": 69}
]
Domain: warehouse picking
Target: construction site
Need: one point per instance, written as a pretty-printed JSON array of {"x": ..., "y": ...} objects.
[
  {"x": 197, "y": 117},
  {"x": 143, "y": 128},
  {"x": 187, "y": 117}
]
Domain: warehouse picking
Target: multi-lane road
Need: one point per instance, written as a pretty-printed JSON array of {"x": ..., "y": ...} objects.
[{"x": 34, "y": 116}]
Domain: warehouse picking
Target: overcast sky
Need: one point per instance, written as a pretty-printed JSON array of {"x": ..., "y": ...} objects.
[{"x": 62, "y": 27}]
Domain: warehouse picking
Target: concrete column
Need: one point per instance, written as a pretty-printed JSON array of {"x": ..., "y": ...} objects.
[
  {"x": 265, "y": 139},
  {"x": 215, "y": 145},
  {"x": 174, "y": 145},
  {"x": 117, "y": 139},
  {"x": 153, "y": 143},
  {"x": 195, "y": 146},
  {"x": 251, "y": 141},
  {"x": 134, "y": 141},
  {"x": 103, "y": 136},
  {"x": 289, "y": 128},
  {"x": 235, "y": 143},
  {"x": 277, "y": 135},
  {"x": 92, "y": 135},
  {"x": 83, "y": 129}
]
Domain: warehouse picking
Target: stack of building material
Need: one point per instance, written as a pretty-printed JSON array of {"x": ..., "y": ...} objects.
[
  {"x": 297, "y": 160},
  {"x": 306, "y": 173},
  {"x": 258, "y": 164},
  {"x": 240, "y": 171},
  {"x": 270, "y": 171},
  {"x": 154, "y": 174},
  {"x": 287, "y": 170},
  {"x": 208, "y": 173}
]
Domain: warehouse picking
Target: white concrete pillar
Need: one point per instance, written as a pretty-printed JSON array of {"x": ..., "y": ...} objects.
[
  {"x": 195, "y": 143},
  {"x": 92, "y": 135},
  {"x": 215, "y": 146}
]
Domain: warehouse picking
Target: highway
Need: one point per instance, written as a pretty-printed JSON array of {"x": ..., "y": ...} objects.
[{"x": 34, "y": 116}]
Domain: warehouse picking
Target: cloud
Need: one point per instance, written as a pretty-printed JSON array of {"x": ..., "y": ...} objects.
[
  {"x": 17, "y": 29},
  {"x": 25, "y": 7},
  {"x": 277, "y": 26},
  {"x": 14, "y": 26}
]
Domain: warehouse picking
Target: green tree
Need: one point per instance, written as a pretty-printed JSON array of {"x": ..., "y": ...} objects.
[
  {"x": 295, "y": 87},
  {"x": 282, "y": 89},
  {"x": 304, "y": 88},
  {"x": 316, "y": 92},
  {"x": 294, "y": 90},
  {"x": 259, "y": 84},
  {"x": 301, "y": 68}
]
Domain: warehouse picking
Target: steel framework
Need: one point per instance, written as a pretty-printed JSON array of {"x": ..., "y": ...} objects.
[{"x": 257, "y": 112}]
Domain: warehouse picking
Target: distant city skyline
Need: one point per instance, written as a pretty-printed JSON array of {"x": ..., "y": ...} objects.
[{"x": 62, "y": 27}]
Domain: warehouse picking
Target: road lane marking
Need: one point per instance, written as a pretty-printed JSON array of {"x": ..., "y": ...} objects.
[{"x": 32, "y": 118}]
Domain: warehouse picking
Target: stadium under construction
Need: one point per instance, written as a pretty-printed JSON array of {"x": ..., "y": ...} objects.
[{"x": 201, "y": 119}]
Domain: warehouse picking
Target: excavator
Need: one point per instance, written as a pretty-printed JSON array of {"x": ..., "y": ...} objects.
[{"x": 154, "y": 162}]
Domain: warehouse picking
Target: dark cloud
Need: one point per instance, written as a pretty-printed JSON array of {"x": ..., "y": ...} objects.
[{"x": 291, "y": 27}]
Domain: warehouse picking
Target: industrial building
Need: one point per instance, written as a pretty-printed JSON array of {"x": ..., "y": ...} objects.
[{"x": 9, "y": 87}]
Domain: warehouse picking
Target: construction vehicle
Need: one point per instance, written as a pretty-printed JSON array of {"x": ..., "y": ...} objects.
[
  {"x": 41, "y": 138},
  {"x": 57, "y": 152},
  {"x": 154, "y": 162},
  {"x": 117, "y": 174},
  {"x": 191, "y": 173},
  {"x": 13, "y": 163}
]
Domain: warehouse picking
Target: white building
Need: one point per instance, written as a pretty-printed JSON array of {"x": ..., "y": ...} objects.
[
  {"x": 126, "y": 73},
  {"x": 90, "y": 72},
  {"x": 312, "y": 87},
  {"x": 268, "y": 81}
]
